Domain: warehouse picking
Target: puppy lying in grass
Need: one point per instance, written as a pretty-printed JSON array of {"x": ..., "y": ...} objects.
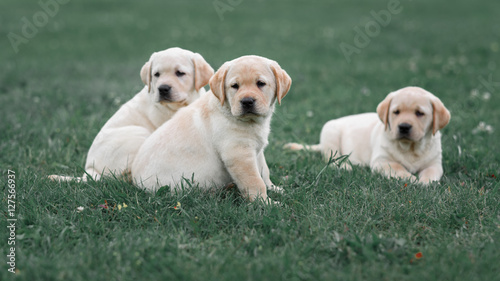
[
  {"x": 220, "y": 138},
  {"x": 174, "y": 78},
  {"x": 400, "y": 140}
]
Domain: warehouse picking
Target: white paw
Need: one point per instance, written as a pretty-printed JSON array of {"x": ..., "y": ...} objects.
[{"x": 276, "y": 189}]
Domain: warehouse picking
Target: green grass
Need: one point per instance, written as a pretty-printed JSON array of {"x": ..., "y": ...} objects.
[{"x": 60, "y": 88}]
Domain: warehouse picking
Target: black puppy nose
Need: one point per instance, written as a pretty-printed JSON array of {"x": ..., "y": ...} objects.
[
  {"x": 164, "y": 89},
  {"x": 404, "y": 128},
  {"x": 247, "y": 103}
]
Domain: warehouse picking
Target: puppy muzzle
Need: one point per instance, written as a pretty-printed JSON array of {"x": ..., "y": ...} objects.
[
  {"x": 165, "y": 92},
  {"x": 248, "y": 105},
  {"x": 404, "y": 130}
]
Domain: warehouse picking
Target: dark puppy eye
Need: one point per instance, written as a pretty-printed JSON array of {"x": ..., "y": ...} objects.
[
  {"x": 396, "y": 112},
  {"x": 260, "y": 84},
  {"x": 157, "y": 74},
  {"x": 180, "y": 73},
  {"x": 419, "y": 113},
  {"x": 235, "y": 86}
]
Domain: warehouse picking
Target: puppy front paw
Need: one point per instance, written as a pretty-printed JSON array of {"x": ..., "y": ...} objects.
[
  {"x": 426, "y": 180},
  {"x": 276, "y": 189}
]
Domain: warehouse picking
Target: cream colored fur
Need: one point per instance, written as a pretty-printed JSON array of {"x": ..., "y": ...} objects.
[
  {"x": 218, "y": 140},
  {"x": 117, "y": 143},
  {"x": 375, "y": 139}
]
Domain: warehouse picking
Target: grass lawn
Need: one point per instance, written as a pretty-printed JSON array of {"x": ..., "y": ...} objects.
[{"x": 83, "y": 60}]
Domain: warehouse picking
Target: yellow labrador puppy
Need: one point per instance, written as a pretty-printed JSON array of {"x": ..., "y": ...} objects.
[
  {"x": 220, "y": 138},
  {"x": 174, "y": 78},
  {"x": 400, "y": 140}
]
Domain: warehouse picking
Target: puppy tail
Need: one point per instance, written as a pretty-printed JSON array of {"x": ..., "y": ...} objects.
[
  {"x": 298, "y": 146},
  {"x": 90, "y": 174},
  {"x": 66, "y": 178}
]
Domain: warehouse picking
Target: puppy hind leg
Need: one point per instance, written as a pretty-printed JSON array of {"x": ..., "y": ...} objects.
[
  {"x": 90, "y": 173},
  {"x": 330, "y": 142}
]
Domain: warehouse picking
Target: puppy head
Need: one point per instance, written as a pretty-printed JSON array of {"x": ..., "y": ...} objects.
[
  {"x": 411, "y": 113},
  {"x": 174, "y": 76},
  {"x": 250, "y": 85}
]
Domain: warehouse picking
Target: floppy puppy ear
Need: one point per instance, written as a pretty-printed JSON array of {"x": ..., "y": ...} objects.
[
  {"x": 283, "y": 81},
  {"x": 383, "y": 110},
  {"x": 146, "y": 74},
  {"x": 217, "y": 83},
  {"x": 440, "y": 115},
  {"x": 202, "y": 71}
]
